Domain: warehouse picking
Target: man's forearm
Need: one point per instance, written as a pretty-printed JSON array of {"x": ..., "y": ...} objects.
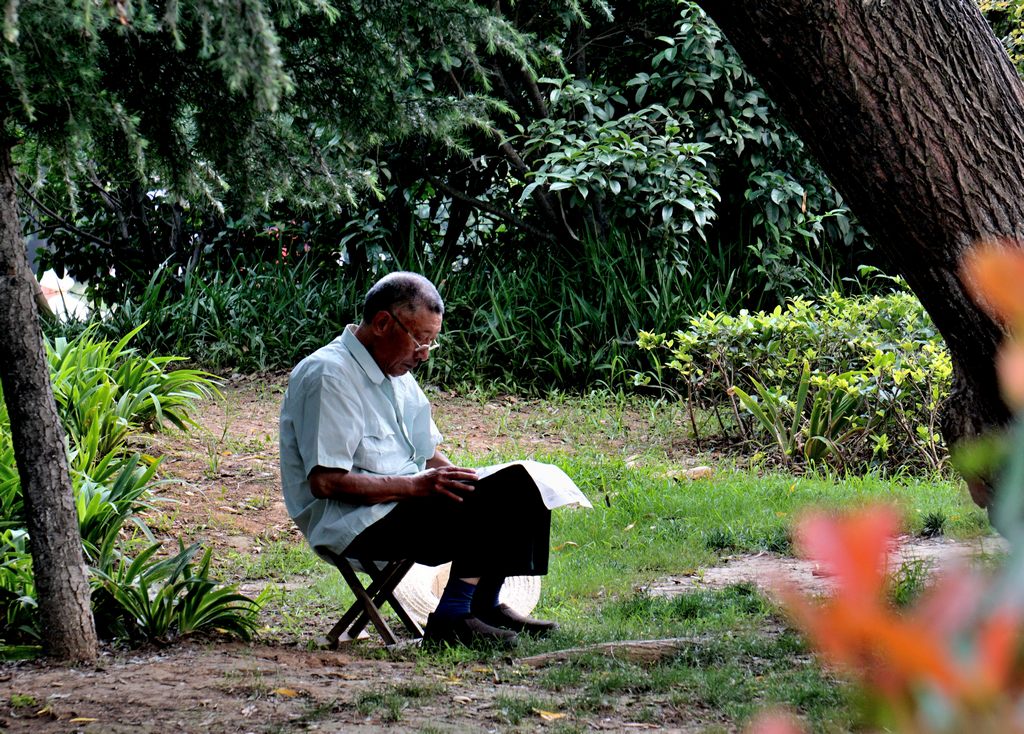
[
  {"x": 439, "y": 478},
  {"x": 438, "y": 459},
  {"x": 361, "y": 489}
]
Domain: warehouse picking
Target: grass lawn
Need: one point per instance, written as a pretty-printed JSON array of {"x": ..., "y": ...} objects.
[{"x": 648, "y": 522}]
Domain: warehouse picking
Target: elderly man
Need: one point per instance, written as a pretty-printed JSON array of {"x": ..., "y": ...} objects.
[{"x": 363, "y": 477}]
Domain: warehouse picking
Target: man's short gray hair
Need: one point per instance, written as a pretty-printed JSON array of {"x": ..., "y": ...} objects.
[{"x": 401, "y": 290}]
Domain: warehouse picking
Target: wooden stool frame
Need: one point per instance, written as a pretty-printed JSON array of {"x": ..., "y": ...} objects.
[{"x": 384, "y": 577}]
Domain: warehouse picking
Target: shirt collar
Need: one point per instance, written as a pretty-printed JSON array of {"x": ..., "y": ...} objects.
[{"x": 363, "y": 357}]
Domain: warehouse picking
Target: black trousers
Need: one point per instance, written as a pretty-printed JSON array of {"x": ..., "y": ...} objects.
[{"x": 502, "y": 528}]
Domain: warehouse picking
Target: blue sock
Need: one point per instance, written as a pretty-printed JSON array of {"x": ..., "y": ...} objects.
[
  {"x": 456, "y": 599},
  {"x": 486, "y": 596}
]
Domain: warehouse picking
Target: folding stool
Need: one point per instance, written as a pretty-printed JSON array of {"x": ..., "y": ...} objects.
[{"x": 384, "y": 577}]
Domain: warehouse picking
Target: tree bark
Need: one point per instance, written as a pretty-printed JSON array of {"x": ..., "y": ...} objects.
[
  {"x": 915, "y": 112},
  {"x": 62, "y": 587}
]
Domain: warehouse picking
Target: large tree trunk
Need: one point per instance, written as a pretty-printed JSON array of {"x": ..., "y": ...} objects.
[
  {"x": 62, "y": 588},
  {"x": 917, "y": 115}
]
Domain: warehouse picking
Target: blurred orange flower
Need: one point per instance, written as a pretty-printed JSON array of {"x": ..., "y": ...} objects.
[
  {"x": 993, "y": 272},
  {"x": 953, "y": 661},
  {"x": 952, "y": 644},
  {"x": 1010, "y": 368}
]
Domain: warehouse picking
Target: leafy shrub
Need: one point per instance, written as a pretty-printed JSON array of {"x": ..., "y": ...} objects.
[
  {"x": 144, "y": 599},
  {"x": 852, "y": 381},
  {"x": 112, "y": 494},
  {"x": 693, "y": 152},
  {"x": 17, "y": 587},
  {"x": 569, "y": 324},
  {"x": 11, "y": 504},
  {"x": 641, "y": 159},
  {"x": 104, "y": 391}
]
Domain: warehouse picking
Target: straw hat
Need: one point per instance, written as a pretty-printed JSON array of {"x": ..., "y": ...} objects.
[{"x": 420, "y": 591}]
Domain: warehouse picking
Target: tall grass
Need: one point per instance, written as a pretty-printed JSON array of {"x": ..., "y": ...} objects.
[
  {"x": 528, "y": 322},
  {"x": 555, "y": 324},
  {"x": 245, "y": 317}
]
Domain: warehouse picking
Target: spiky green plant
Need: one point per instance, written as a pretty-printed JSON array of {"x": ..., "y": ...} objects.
[{"x": 153, "y": 600}]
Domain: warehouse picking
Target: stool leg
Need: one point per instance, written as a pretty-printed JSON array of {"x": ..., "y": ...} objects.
[
  {"x": 382, "y": 590},
  {"x": 369, "y": 609}
]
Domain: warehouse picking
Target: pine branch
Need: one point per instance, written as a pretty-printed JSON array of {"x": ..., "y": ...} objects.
[{"x": 62, "y": 222}]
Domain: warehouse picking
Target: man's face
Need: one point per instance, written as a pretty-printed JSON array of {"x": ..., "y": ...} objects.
[{"x": 404, "y": 338}]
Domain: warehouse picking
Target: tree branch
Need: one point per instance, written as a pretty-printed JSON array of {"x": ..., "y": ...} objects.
[
  {"x": 515, "y": 100},
  {"x": 643, "y": 652},
  {"x": 536, "y": 95},
  {"x": 64, "y": 224},
  {"x": 490, "y": 209},
  {"x": 112, "y": 204},
  {"x": 541, "y": 197}
]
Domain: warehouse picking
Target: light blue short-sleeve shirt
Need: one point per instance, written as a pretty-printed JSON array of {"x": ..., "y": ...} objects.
[{"x": 339, "y": 413}]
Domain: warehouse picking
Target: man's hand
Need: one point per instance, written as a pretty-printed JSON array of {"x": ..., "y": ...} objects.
[{"x": 449, "y": 481}]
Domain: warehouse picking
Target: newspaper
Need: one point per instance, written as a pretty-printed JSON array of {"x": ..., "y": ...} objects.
[{"x": 556, "y": 488}]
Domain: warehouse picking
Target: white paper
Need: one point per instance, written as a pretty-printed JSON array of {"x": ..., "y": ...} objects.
[{"x": 556, "y": 488}]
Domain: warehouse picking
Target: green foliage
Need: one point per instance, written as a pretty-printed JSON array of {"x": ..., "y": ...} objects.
[
  {"x": 11, "y": 504},
  {"x": 851, "y": 381},
  {"x": 816, "y": 434},
  {"x": 660, "y": 154},
  {"x": 933, "y": 525},
  {"x": 770, "y": 412},
  {"x": 571, "y": 324},
  {"x": 146, "y": 128},
  {"x": 909, "y": 581},
  {"x": 105, "y": 391},
  {"x": 251, "y": 317},
  {"x": 644, "y": 162},
  {"x": 660, "y": 177},
  {"x": 464, "y": 131},
  {"x": 112, "y": 493},
  {"x": 17, "y": 587},
  {"x": 150, "y": 600},
  {"x": 1007, "y": 20},
  {"x": 568, "y": 325}
]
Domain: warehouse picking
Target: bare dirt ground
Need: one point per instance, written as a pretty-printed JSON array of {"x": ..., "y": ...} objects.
[{"x": 223, "y": 480}]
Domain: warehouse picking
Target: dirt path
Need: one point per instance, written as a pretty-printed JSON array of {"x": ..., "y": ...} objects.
[
  {"x": 224, "y": 488},
  {"x": 931, "y": 555}
]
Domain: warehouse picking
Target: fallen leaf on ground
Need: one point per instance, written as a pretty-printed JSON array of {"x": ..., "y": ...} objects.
[
  {"x": 698, "y": 472},
  {"x": 548, "y": 715}
]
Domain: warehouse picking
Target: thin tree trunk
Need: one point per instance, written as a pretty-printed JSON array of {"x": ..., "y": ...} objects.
[
  {"x": 62, "y": 587},
  {"x": 917, "y": 115}
]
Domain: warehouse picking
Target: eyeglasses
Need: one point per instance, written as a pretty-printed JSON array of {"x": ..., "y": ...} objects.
[{"x": 425, "y": 348}]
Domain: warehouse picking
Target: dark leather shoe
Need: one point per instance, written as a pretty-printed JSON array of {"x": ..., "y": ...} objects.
[
  {"x": 508, "y": 618},
  {"x": 468, "y": 631}
]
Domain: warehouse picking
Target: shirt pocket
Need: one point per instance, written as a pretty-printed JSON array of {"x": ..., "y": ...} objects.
[{"x": 381, "y": 449}]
